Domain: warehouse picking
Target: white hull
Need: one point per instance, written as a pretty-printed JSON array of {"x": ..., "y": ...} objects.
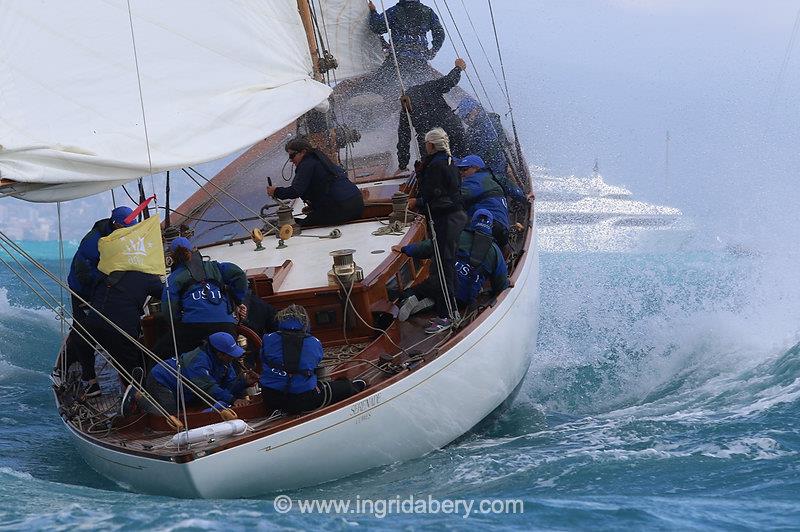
[{"x": 422, "y": 412}]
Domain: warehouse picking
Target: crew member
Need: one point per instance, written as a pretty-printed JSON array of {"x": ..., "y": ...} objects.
[
  {"x": 290, "y": 357},
  {"x": 83, "y": 275},
  {"x": 120, "y": 297},
  {"x": 205, "y": 296},
  {"x": 481, "y": 189},
  {"x": 483, "y": 136},
  {"x": 409, "y": 22},
  {"x": 478, "y": 258},
  {"x": 210, "y": 367},
  {"x": 330, "y": 196},
  {"x": 439, "y": 195},
  {"x": 428, "y": 109}
]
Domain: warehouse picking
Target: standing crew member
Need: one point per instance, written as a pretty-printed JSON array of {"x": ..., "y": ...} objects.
[
  {"x": 290, "y": 357},
  {"x": 428, "y": 109},
  {"x": 119, "y": 296},
  {"x": 205, "y": 296},
  {"x": 331, "y": 197},
  {"x": 83, "y": 275},
  {"x": 439, "y": 192},
  {"x": 409, "y": 22}
]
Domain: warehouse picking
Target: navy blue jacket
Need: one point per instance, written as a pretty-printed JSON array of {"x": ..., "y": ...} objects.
[
  {"x": 213, "y": 302},
  {"x": 201, "y": 367},
  {"x": 320, "y": 186},
  {"x": 483, "y": 140},
  {"x": 439, "y": 185},
  {"x": 410, "y": 22},
  {"x": 120, "y": 297},
  {"x": 274, "y": 377},
  {"x": 83, "y": 272},
  {"x": 429, "y": 110}
]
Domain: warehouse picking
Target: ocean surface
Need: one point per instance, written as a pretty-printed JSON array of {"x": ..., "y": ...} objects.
[{"x": 664, "y": 394}]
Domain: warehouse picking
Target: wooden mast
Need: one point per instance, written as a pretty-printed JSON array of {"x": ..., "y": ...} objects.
[{"x": 320, "y": 135}]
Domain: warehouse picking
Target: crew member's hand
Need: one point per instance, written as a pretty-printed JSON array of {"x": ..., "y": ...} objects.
[
  {"x": 241, "y": 311},
  {"x": 531, "y": 197},
  {"x": 418, "y": 166},
  {"x": 228, "y": 414},
  {"x": 460, "y": 63},
  {"x": 397, "y": 248},
  {"x": 271, "y": 191},
  {"x": 250, "y": 377},
  {"x": 371, "y": 6},
  {"x": 241, "y": 402},
  {"x": 412, "y": 203}
]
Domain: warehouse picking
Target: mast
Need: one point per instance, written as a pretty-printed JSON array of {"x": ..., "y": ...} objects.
[
  {"x": 320, "y": 134},
  {"x": 308, "y": 25}
]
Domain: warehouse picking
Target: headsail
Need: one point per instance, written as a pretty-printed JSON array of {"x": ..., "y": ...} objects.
[
  {"x": 345, "y": 29},
  {"x": 215, "y": 77}
]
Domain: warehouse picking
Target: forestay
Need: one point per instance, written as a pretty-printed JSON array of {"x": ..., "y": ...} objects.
[
  {"x": 345, "y": 30},
  {"x": 215, "y": 77}
]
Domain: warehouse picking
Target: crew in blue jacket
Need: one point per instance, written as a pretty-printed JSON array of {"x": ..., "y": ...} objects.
[
  {"x": 330, "y": 196},
  {"x": 483, "y": 136},
  {"x": 290, "y": 357},
  {"x": 477, "y": 259},
  {"x": 205, "y": 297},
  {"x": 409, "y": 22},
  {"x": 482, "y": 189},
  {"x": 210, "y": 367}
]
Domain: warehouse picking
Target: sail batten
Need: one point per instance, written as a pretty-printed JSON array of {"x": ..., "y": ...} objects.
[{"x": 215, "y": 77}]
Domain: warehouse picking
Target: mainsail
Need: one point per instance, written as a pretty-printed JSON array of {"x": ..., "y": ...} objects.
[
  {"x": 215, "y": 77},
  {"x": 346, "y": 34}
]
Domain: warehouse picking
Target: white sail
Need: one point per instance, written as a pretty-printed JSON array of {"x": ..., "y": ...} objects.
[
  {"x": 215, "y": 77},
  {"x": 344, "y": 25}
]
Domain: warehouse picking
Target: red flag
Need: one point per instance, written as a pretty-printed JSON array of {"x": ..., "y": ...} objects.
[{"x": 138, "y": 210}]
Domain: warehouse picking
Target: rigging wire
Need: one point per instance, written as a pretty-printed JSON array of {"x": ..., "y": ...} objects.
[
  {"x": 483, "y": 49},
  {"x": 61, "y": 261},
  {"x": 231, "y": 196},
  {"x": 784, "y": 65},
  {"x": 466, "y": 50},
  {"x": 505, "y": 82},
  {"x": 4, "y": 239}
]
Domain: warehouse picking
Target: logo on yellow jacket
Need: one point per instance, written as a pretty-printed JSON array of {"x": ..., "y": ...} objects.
[{"x": 136, "y": 248}]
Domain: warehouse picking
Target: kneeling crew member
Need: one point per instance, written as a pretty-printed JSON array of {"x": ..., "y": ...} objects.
[
  {"x": 290, "y": 358},
  {"x": 210, "y": 367},
  {"x": 204, "y": 296},
  {"x": 478, "y": 258}
]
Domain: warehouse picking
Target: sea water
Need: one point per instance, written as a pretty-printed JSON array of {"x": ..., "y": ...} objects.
[{"x": 664, "y": 394}]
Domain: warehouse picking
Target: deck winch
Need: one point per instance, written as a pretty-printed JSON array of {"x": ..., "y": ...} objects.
[{"x": 344, "y": 271}]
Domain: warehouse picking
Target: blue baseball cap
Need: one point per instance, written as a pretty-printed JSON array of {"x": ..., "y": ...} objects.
[
  {"x": 180, "y": 242},
  {"x": 222, "y": 341},
  {"x": 466, "y": 106},
  {"x": 119, "y": 214},
  {"x": 471, "y": 160},
  {"x": 482, "y": 221}
]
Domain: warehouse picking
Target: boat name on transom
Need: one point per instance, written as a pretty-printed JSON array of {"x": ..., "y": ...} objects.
[{"x": 365, "y": 404}]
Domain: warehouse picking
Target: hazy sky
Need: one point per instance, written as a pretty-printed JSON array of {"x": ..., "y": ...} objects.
[{"x": 608, "y": 78}]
